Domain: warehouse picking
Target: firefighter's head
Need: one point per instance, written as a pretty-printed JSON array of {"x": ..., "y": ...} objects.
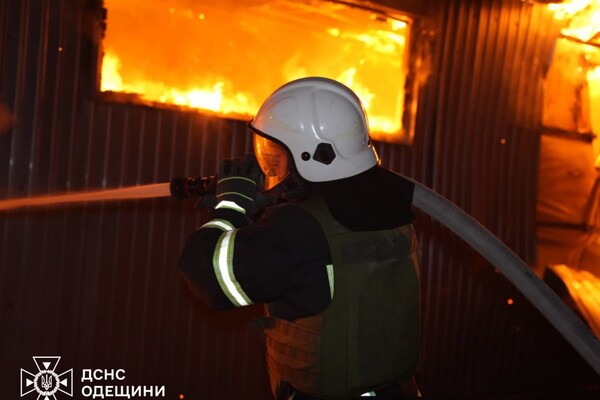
[{"x": 316, "y": 127}]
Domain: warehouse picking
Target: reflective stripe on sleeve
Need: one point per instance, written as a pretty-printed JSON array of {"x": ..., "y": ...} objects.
[
  {"x": 223, "y": 267},
  {"x": 236, "y": 194},
  {"x": 330, "y": 278},
  {"x": 219, "y": 224},
  {"x": 231, "y": 205}
]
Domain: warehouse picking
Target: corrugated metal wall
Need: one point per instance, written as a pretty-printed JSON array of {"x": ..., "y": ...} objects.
[
  {"x": 483, "y": 111},
  {"x": 97, "y": 283}
]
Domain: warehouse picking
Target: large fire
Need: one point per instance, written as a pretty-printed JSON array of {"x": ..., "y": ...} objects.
[
  {"x": 228, "y": 57},
  {"x": 572, "y": 104},
  {"x": 573, "y": 82},
  {"x": 582, "y": 16}
]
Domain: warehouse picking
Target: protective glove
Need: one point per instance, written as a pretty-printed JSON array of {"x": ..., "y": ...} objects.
[
  {"x": 209, "y": 199},
  {"x": 238, "y": 184}
]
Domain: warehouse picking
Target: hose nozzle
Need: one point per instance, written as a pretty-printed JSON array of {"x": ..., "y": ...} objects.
[{"x": 182, "y": 188}]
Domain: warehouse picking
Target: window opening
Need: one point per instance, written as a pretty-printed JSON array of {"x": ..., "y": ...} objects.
[{"x": 227, "y": 57}]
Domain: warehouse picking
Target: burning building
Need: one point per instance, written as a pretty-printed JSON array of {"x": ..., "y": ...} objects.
[
  {"x": 179, "y": 62},
  {"x": 471, "y": 98}
]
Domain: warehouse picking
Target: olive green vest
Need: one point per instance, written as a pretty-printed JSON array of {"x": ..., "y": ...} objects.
[{"x": 369, "y": 334}]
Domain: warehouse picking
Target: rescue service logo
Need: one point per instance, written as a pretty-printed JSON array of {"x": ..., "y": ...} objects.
[{"x": 46, "y": 382}]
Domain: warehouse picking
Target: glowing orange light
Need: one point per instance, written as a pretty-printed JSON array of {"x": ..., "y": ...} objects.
[
  {"x": 583, "y": 287},
  {"x": 111, "y": 76},
  {"x": 568, "y": 9},
  {"x": 227, "y": 58},
  {"x": 582, "y": 18},
  {"x": 509, "y": 302},
  {"x": 181, "y": 396},
  {"x": 593, "y": 80}
]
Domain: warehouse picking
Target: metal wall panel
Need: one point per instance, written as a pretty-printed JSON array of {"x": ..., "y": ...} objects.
[
  {"x": 97, "y": 283},
  {"x": 479, "y": 133}
]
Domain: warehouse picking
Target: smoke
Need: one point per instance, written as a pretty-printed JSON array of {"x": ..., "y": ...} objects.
[{"x": 6, "y": 119}]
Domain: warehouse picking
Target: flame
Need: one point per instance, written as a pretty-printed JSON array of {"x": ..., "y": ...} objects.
[
  {"x": 582, "y": 18},
  {"x": 594, "y": 75},
  {"x": 583, "y": 285},
  {"x": 228, "y": 58},
  {"x": 593, "y": 79},
  {"x": 568, "y": 9},
  {"x": 210, "y": 98},
  {"x": 579, "y": 75},
  {"x": 111, "y": 77}
]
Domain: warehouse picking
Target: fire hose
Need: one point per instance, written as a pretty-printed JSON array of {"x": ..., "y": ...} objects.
[
  {"x": 513, "y": 268},
  {"x": 489, "y": 246}
]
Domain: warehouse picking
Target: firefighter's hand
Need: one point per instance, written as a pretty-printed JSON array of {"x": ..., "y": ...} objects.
[
  {"x": 209, "y": 200},
  {"x": 238, "y": 184}
]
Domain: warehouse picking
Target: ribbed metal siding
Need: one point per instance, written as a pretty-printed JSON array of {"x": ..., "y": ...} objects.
[
  {"x": 477, "y": 144},
  {"x": 490, "y": 62},
  {"x": 97, "y": 284}
]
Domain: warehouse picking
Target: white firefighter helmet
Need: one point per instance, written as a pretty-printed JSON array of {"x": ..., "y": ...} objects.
[{"x": 323, "y": 126}]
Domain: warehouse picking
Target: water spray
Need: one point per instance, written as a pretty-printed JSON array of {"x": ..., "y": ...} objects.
[
  {"x": 125, "y": 193},
  {"x": 178, "y": 188}
]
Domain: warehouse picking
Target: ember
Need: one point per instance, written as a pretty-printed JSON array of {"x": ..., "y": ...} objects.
[{"x": 227, "y": 57}]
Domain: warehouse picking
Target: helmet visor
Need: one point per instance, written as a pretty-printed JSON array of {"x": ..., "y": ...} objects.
[{"x": 273, "y": 160}]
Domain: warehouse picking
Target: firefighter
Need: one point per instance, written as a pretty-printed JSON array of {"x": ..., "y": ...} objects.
[{"x": 334, "y": 260}]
